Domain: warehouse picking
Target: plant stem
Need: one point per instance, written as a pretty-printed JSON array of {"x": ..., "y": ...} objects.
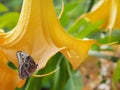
[
  {"x": 70, "y": 75},
  {"x": 101, "y": 55}
]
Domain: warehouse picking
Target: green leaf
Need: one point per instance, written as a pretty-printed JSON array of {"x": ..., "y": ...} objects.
[
  {"x": 114, "y": 37},
  {"x": 3, "y": 8},
  {"x": 77, "y": 26},
  {"x": 65, "y": 19},
  {"x": 9, "y": 20},
  {"x": 61, "y": 77},
  {"x": 96, "y": 35},
  {"x": 82, "y": 28},
  {"x": 14, "y": 5},
  {"x": 35, "y": 83},
  {"x": 72, "y": 11},
  {"x": 74, "y": 82},
  {"x": 11, "y": 65},
  {"x": 116, "y": 74},
  {"x": 56, "y": 81},
  {"x": 75, "y": 79}
]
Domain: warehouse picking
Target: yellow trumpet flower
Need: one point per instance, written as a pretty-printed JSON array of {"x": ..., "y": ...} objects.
[
  {"x": 40, "y": 34},
  {"x": 8, "y": 77},
  {"x": 106, "y": 10}
]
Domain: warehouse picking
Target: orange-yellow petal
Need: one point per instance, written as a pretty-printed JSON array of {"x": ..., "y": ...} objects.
[
  {"x": 107, "y": 10},
  {"x": 40, "y": 34},
  {"x": 8, "y": 77},
  {"x": 21, "y": 83}
]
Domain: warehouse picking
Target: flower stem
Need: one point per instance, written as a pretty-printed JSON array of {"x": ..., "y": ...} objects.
[{"x": 101, "y": 55}]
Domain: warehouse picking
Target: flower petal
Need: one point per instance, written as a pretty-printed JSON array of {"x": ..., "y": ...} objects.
[
  {"x": 107, "y": 10},
  {"x": 8, "y": 77},
  {"x": 40, "y": 34}
]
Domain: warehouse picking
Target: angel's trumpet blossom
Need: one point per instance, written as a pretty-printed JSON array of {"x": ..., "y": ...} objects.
[{"x": 40, "y": 34}]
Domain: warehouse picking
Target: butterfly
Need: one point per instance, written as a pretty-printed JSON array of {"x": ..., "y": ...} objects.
[{"x": 27, "y": 65}]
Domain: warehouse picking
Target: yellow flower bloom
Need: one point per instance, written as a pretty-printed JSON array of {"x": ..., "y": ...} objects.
[
  {"x": 107, "y": 10},
  {"x": 8, "y": 77},
  {"x": 40, "y": 34}
]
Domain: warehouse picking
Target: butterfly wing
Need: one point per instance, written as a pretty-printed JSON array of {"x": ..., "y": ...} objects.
[{"x": 26, "y": 65}]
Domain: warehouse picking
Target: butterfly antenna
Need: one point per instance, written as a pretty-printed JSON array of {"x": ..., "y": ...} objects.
[{"x": 46, "y": 74}]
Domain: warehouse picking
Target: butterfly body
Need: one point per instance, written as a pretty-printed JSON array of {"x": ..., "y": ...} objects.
[{"x": 27, "y": 65}]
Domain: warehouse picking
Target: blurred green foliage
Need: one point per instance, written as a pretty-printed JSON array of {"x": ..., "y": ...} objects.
[
  {"x": 65, "y": 78},
  {"x": 3, "y": 8},
  {"x": 116, "y": 75},
  {"x": 9, "y": 13},
  {"x": 9, "y": 20}
]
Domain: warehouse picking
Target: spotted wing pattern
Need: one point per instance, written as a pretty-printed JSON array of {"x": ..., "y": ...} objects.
[{"x": 26, "y": 65}]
